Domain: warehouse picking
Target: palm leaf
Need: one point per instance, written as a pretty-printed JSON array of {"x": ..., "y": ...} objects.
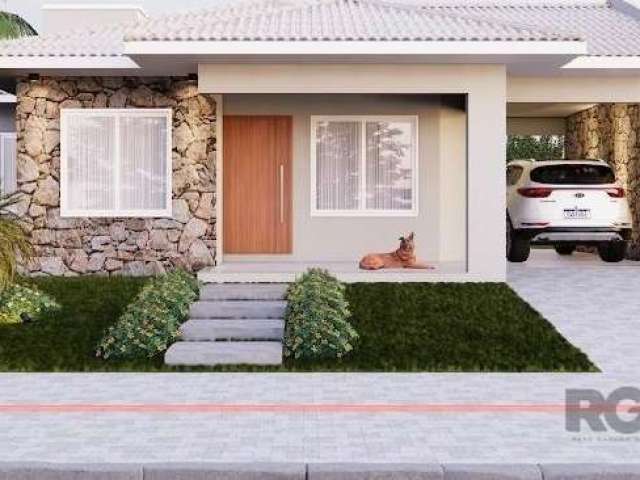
[
  {"x": 14, "y": 26},
  {"x": 15, "y": 246}
]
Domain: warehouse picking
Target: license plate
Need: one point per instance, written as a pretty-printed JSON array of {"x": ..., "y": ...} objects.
[{"x": 577, "y": 213}]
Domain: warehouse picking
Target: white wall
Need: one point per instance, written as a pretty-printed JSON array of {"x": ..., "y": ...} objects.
[
  {"x": 440, "y": 225},
  {"x": 578, "y": 89},
  {"x": 452, "y": 185}
]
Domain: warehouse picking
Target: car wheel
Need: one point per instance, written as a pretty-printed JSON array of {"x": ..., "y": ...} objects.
[
  {"x": 518, "y": 247},
  {"x": 612, "y": 251},
  {"x": 565, "y": 248}
]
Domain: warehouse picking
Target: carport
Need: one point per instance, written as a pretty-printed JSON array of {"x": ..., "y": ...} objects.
[{"x": 597, "y": 116}]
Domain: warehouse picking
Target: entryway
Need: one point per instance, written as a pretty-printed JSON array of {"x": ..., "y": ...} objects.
[
  {"x": 360, "y": 171},
  {"x": 257, "y": 184}
]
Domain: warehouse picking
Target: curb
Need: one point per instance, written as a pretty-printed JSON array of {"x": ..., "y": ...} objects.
[
  {"x": 316, "y": 471},
  {"x": 69, "y": 471}
]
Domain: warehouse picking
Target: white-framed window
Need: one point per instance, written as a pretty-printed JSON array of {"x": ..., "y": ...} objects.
[
  {"x": 115, "y": 162},
  {"x": 364, "y": 165},
  {"x": 8, "y": 166}
]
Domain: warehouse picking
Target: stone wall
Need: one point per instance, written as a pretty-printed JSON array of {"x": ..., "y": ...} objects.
[
  {"x": 610, "y": 132},
  {"x": 131, "y": 246}
]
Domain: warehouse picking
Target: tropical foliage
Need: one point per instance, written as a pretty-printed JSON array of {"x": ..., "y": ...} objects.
[
  {"x": 15, "y": 246},
  {"x": 14, "y": 243},
  {"x": 151, "y": 322},
  {"x": 537, "y": 147},
  {"x": 317, "y": 325},
  {"x": 19, "y": 303},
  {"x": 14, "y": 26}
]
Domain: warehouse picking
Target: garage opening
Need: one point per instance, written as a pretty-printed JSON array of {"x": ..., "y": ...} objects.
[{"x": 571, "y": 212}]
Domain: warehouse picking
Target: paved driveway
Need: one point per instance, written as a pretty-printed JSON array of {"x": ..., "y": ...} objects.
[{"x": 595, "y": 305}]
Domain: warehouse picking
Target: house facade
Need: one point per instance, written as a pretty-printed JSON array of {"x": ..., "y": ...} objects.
[{"x": 257, "y": 139}]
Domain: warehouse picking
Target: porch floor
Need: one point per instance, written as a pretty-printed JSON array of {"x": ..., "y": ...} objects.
[{"x": 349, "y": 272}]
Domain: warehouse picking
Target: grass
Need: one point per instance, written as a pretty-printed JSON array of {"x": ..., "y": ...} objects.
[
  {"x": 402, "y": 327},
  {"x": 453, "y": 327},
  {"x": 66, "y": 340}
]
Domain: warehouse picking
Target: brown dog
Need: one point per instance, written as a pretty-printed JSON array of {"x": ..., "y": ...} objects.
[{"x": 403, "y": 257}]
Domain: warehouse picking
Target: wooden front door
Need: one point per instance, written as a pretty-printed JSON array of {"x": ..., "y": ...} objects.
[{"x": 257, "y": 184}]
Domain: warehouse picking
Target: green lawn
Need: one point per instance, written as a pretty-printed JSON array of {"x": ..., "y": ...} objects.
[
  {"x": 402, "y": 327},
  {"x": 454, "y": 326},
  {"x": 67, "y": 340}
]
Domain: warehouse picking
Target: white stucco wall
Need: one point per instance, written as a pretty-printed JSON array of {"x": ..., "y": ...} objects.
[
  {"x": 452, "y": 184},
  {"x": 440, "y": 224},
  {"x": 485, "y": 87},
  {"x": 579, "y": 89}
]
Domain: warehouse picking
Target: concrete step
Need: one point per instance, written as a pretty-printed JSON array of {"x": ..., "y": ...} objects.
[
  {"x": 232, "y": 329},
  {"x": 223, "y": 353},
  {"x": 238, "y": 309},
  {"x": 244, "y": 291}
]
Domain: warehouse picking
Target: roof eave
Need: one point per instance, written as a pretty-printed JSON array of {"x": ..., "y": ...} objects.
[
  {"x": 595, "y": 62},
  {"x": 377, "y": 48},
  {"x": 43, "y": 62}
]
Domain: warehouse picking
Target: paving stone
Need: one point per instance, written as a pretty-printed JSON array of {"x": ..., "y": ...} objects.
[
  {"x": 238, "y": 309},
  {"x": 224, "y": 353},
  {"x": 232, "y": 329},
  {"x": 244, "y": 291}
]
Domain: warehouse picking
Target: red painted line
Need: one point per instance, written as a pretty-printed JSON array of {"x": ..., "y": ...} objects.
[{"x": 287, "y": 408}]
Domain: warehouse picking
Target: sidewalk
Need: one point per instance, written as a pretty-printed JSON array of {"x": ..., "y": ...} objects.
[{"x": 206, "y": 432}]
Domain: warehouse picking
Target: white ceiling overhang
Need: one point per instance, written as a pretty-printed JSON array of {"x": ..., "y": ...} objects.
[{"x": 354, "y": 48}]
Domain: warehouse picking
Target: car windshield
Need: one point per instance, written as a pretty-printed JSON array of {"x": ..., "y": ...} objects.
[{"x": 573, "y": 174}]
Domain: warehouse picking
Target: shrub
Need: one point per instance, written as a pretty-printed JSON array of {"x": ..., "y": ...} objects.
[
  {"x": 15, "y": 245},
  {"x": 18, "y": 300},
  {"x": 151, "y": 322},
  {"x": 316, "y": 318}
]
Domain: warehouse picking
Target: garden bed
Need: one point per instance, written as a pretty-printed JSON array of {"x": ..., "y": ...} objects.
[{"x": 402, "y": 327}]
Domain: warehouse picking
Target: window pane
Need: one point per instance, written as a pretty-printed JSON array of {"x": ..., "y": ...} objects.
[
  {"x": 338, "y": 156},
  {"x": 90, "y": 160},
  {"x": 390, "y": 150},
  {"x": 573, "y": 174},
  {"x": 143, "y": 170}
]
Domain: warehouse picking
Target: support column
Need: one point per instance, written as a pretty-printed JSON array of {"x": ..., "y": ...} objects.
[{"x": 486, "y": 113}]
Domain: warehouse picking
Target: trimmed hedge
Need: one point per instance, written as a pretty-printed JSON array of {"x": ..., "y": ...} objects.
[
  {"x": 317, "y": 315},
  {"x": 18, "y": 300},
  {"x": 151, "y": 322}
]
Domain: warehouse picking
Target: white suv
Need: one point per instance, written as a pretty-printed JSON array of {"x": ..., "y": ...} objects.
[{"x": 565, "y": 203}]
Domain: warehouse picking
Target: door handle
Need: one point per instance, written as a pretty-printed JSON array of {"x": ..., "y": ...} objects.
[{"x": 281, "y": 193}]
